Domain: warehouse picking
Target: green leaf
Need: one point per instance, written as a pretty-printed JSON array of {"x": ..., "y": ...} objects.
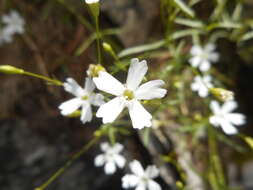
[
  {"x": 184, "y": 33},
  {"x": 247, "y": 36},
  {"x": 189, "y": 22},
  {"x": 185, "y": 8},
  {"x": 141, "y": 48}
]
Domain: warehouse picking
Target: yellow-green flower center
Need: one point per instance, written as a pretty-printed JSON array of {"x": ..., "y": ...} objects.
[
  {"x": 85, "y": 97},
  {"x": 128, "y": 94}
]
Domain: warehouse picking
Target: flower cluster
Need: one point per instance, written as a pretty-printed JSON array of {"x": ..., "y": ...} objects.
[
  {"x": 13, "y": 24},
  {"x": 128, "y": 95},
  {"x": 202, "y": 57},
  {"x": 141, "y": 179}
]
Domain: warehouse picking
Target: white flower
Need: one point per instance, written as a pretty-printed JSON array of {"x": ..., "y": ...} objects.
[
  {"x": 224, "y": 118},
  {"x": 110, "y": 158},
  {"x": 91, "y": 1},
  {"x": 202, "y": 85},
  {"x": 129, "y": 95},
  {"x": 141, "y": 179},
  {"x": 84, "y": 98},
  {"x": 14, "y": 23},
  {"x": 203, "y": 57}
]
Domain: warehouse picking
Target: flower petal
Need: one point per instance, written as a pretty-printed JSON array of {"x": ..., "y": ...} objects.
[
  {"x": 110, "y": 168},
  {"x": 70, "y": 106},
  {"x": 152, "y": 171},
  {"x": 215, "y": 107},
  {"x": 129, "y": 181},
  {"x": 89, "y": 85},
  {"x": 110, "y": 110},
  {"x": 105, "y": 146},
  {"x": 196, "y": 50},
  {"x": 215, "y": 120},
  {"x": 119, "y": 160},
  {"x": 108, "y": 83},
  {"x": 86, "y": 115},
  {"x": 152, "y": 185},
  {"x": 136, "y": 73},
  {"x": 228, "y": 128},
  {"x": 136, "y": 168},
  {"x": 72, "y": 87},
  {"x": 150, "y": 90},
  {"x": 98, "y": 100},
  {"x": 117, "y": 148},
  {"x": 204, "y": 66},
  {"x": 99, "y": 160},
  {"x": 139, "y": 115},
  {"x": 229, "y": 106},
  {"x": 236, "y": 118},
  {"x": 195, "y": 61},
  {"x": 141, "y": 186}
]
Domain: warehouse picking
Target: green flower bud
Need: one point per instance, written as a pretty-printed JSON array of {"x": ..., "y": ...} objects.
[
  {"x": 222, "y": 94},
  {"x": 8, "y": 69}
]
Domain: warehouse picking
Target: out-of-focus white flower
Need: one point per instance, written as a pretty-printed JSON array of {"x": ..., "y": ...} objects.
[
  {"x": 202, "y": 57},
  {"x": 14, "y": 23},
  {"x": 129, "y": 95},
  {"x": 202, "y": 85},
  {"x": 111, "y": 157},
  {"x": 141, "y": 179},
  {"x": 223, "y": 117},
  {"x": 91, "y": 1},
  {"x": 84, "y": 98}
]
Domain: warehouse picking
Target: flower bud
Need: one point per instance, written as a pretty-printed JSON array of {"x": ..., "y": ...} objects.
[
  {"x": 222, "y": 94},
  {"x": 8, "y": 69},
  {"x": 93, "y": 70}
]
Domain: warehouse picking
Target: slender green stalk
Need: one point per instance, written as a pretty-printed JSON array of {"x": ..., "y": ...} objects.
[
  {"x": 49, "y": 80},
  {"x": 60, "y": 171},
  {"x": 214, "y": 159},
  {"x": 98, "y": 40}
]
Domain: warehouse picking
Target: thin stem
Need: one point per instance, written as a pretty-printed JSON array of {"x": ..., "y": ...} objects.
[
  {"x": 51, "y": 81},
  {"x": 98, "y": 40},
  {"x": 60, "y": 171},
  {"x": 214, "y": 158}
]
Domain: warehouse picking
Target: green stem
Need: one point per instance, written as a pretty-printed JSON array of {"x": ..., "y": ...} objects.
[
  {"x": 60, "y": 171},
  {"x": 49, "y": 80},
  {"x": 98, "y": 41},
  {"x": 214, "y": 158}
]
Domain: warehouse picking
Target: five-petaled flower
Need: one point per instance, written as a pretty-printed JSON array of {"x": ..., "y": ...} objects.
[
  {"x": 202, "y": 57},
  {"x": 202, "y": 85},
  {"x": 141, "y": 179},
  {"x": 224, "y": 118},
  {"x": 111, "y": 157},
  {"x": 83, "y": 98},
  {"x": 129, "y": 95}
]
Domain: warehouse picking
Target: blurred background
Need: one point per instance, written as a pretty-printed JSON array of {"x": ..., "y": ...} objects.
[{"x": 35, "y": 140}]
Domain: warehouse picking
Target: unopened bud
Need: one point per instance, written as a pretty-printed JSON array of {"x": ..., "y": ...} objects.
[
  {"x": 222, "y": 94},
  {"x": 8, "y": 69},
  {"x": 94, "y": 70}
]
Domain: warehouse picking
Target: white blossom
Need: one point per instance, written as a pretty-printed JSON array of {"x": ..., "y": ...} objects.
[
  {"x": 141, "y": 179},
  {"x": 129, "y": 95},
  {"x": 14, "y": 23},
  {"x": 202, "y": 57},
  {"x": 91, "y": 1},
  {"x": 111, "y": 157},
  {"x": 202, "y": 85},
  {"x": 223, "y": 117},
  {"x": 84, "y": 98}
]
